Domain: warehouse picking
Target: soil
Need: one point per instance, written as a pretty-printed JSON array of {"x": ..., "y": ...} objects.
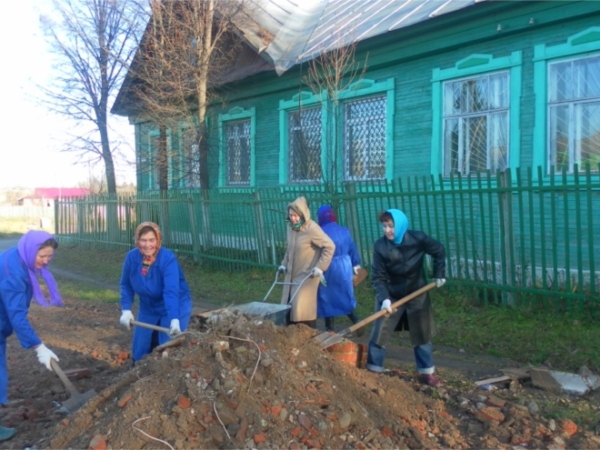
[{"x": 240, "y": 382}]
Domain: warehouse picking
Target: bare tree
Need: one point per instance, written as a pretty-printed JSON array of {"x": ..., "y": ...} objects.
[
  {"x": 93, "y": 42},
  {"x": 186, "y": 54},
  {"x": 329, "y": 76}
]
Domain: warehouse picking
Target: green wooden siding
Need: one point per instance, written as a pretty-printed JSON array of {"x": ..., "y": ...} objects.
[{"x": 411, "y": 61}]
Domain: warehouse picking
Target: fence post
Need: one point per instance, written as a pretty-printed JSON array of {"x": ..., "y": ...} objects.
[
  {"x": 352, "y": 217},
  {"x": 506, "y": 235},
  {"x": 79, "y": 205},
  {"x": 193, "y": 229},
  {"x": 205, "y": 208},
  {"x": 261, "y": 241}
]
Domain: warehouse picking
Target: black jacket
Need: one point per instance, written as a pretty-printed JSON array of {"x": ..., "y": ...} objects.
[{"x": 398, "y": 270}]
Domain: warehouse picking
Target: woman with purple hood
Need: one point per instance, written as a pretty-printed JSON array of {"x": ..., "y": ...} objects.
[
  {"x": 336, "y": 296},
  {"x": 20, "y": 267}
]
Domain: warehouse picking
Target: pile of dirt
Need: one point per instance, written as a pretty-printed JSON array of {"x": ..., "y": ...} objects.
[{"x": 239, "y": 382}]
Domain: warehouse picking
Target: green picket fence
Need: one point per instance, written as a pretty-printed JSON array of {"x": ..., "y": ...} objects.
[{"x": 517, "y": 237}]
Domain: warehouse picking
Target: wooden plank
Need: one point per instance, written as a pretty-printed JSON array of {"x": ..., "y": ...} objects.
[{"x": 504, "y": 378}]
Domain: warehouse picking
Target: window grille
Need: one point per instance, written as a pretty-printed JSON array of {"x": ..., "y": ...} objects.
[
  {"x": 304, "y": 134},
  {"x": 365, "y": 138},
  {"x": 476, "y": 125},
  {"x": 237, "y": 134}
]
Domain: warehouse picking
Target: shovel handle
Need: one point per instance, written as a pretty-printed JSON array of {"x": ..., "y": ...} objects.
[
  {"x": 65, "y": 381},
  {"x": 395, "y": 305},
  {"x": 151, "y": 327}
]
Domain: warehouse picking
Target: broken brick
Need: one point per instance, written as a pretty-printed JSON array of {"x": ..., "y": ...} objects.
[
  {"x": 258, "y": 438},
  {"x": 569, "y": 427},
  {"x": 183, "y": 402},
  {"x": 98, "y": 442},
  {"x": 490, "y": 414},
  {"x": 496, "y": 402},
  {"x": 124, "y": 400}
]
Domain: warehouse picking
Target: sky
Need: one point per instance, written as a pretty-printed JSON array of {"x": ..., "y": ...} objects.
[{"x": 33, "y": 139}]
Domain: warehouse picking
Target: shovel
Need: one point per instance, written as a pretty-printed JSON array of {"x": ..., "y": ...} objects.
[
  {"x": 327, "y": 340},
  {"x": 76, "y": 400},
  {"x": 149, "y": 326}
]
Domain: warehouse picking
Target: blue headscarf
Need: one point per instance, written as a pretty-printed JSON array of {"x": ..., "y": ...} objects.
[
  {"x": 28, "y": 247},
  {"x": 400, "y": 224}
]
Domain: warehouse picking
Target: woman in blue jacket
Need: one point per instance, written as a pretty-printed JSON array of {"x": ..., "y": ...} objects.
[
  {"x": 154, "y": 274},
  {"x": 336, "y": 297},
  {"x": 19, "y": 270}
]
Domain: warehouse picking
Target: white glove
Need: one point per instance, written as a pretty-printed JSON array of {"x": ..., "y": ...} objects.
[
  {"x": 439, "y": 282},
  {"x": 126, "y": 318},
  {"x": 316, "y": 272},
  {"x": 281, "y": 269},
  {"x": 44, "y": 355},
  {"x": 355, "y": 269},
  {"x": 387, "y": 305},
  {"x": 175, "y": 330}
]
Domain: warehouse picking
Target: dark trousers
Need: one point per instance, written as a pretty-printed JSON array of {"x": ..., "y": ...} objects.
[{"x": 330, "y": 321}]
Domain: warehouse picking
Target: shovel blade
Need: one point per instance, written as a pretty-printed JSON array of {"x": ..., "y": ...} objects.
[
  {"x": 327, "y": 339},
  {"x": 321, "y": 337},
  {"x": 332, "y": 340},
  {"x": 75, "y": 402}
]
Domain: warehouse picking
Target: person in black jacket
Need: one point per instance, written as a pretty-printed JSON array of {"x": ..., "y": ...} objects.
[{"x": 399, "y": 270}]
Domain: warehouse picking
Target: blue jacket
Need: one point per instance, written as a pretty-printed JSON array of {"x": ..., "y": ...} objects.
[
  {"x": 337, "y": 297},
  {"x": 163, "y": 291},
  {"x": 15, "y": 298}
]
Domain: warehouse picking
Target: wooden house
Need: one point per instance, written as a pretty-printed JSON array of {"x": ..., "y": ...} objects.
[{"x": 445, "y": 87}]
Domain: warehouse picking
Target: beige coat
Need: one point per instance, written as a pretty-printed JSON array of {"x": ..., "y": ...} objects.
[{"x": 307, "y": 248}]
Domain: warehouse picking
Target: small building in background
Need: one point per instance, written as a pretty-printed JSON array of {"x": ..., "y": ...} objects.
[{"x": 46, "y": 196}]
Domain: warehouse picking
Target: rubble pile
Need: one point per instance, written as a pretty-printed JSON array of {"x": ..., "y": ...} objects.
[{"x": 240, "y": 382}]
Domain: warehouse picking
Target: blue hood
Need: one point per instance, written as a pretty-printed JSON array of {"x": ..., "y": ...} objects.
[{"x": 400, "y": 224}]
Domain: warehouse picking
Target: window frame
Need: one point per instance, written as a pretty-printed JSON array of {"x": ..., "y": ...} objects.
[
  {"x": 360, "y": 89},
  {"x": 235, "y": 114},
  {"x": 363, "y": 89},
  {"x": 302, "y": 100},
  {"x": 578, "y": 46},
  {"x": 152, "y": 175},
  {"x": 472, "y": 66}
]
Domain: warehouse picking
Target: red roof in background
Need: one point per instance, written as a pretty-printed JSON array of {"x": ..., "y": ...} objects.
[{"x": 59, "y": 192}]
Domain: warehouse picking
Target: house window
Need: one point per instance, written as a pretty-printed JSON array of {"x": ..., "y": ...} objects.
[
  {"x": 304, "y": 134},
  {"x": 365, "y": 138},
  {"x": 476, "y": 108},
  {"x": 236, "y": 156},
  {"x": 237, "y": 135},
  {"x": 151, "y": 165},
  {"x": 567, "y": 103},
  {"x": 476, "y": 124},
  {"x": 574, "y": 113}
]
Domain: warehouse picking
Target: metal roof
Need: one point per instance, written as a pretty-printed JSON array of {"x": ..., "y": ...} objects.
[{"x": 290, "y": 32}]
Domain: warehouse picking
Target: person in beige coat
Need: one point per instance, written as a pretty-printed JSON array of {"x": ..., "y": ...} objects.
[{"x": 309, "y": 252}]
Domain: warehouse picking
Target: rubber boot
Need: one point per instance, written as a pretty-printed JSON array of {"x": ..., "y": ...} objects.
[{"x": 7, "y": 433}]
